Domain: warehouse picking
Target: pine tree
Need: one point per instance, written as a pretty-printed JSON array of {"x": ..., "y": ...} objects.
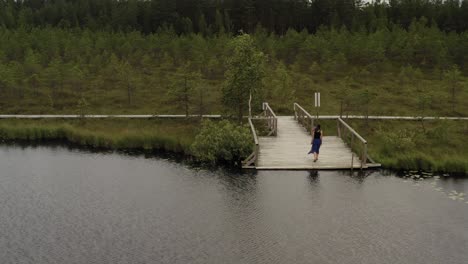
[
  {"x": 452, "y": 79},
  {"x": 183, "y": 87}
]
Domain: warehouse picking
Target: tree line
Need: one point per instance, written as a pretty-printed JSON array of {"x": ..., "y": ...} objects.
[
  {"x": 58, "y": 67},
  {"x": 210, "y": 17}
]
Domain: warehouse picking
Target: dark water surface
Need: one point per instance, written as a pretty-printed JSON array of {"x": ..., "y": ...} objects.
[{"x": 68, "y": 206}]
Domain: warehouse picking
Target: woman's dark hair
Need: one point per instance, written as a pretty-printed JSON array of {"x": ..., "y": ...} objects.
[{"x": 317, "y": 128}]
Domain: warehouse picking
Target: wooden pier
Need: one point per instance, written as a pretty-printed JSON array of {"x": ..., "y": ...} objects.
[{"x": 287, "y": 145}]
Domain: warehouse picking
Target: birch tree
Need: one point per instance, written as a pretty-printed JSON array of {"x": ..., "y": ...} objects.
[{"x": 243, "y": 78}]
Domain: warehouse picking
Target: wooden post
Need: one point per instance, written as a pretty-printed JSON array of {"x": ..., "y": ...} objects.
[
  {"x": 352, "y": 153},
  {"x": 276, "y": 126},
  {"x": 364, "y": 155},
  {"x": 344, "y": 134},
  {"x": 365, "y": 152},
  {"x": 256, "y": 154},
  {"x": 272, "y": 121},
  {"x": 312, "y": 123},
  {"x": 338, "y": 127},
  {"x": 295, "y": 112}
]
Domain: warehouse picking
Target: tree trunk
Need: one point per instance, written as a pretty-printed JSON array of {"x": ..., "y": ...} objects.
[
  {"x": 367, "y": 115},
  {"x": 341, "y": 109},
  {"x": 201, "y": 105},
  {"x": 240, "y": 113},
  {"x": 129, "y": 93},
  {"x": 186, "y": 99},
  {"x": 250, "y": 104},
  {"x": 453, "y": 99}
]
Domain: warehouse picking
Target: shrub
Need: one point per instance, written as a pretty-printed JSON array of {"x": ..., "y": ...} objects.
[
  {"x": 222, "y": 142},
  {"x": 398, "y": 141},
  {"x": 440, "y": 133}
]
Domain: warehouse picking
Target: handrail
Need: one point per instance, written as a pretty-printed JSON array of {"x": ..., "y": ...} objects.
[
  {"x": 306, "y": 120},
  {"x": 254, "y": 133},
  {"x": 352, "y": 130},
  {"x": 302, "y": 109},
  {"x": 272, "y": 119},
  {"x": 253, "y": 157},
  {"x": 303, "y": 117},
  {"x": 343, "y": 135},
  {"x": 267, "y": 107}
]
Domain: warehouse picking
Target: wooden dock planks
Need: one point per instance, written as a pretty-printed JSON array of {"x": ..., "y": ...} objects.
[{"x": 288, "y": 150}]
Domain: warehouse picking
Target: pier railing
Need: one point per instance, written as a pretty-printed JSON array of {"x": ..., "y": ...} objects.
[
  {"x": 252, "y": 159},
  {"x": 268, "y": 116},
  {"x": 303, "y": 117},
  {"x": 350, "y": 137},
  {"x": 355, "y": 141},
  {"x": 272, "y": 120}
]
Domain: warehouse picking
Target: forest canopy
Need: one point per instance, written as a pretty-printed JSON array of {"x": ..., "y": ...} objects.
[
  {"x": 214, "y": 16},
  {"x": 171, "y": 56}
]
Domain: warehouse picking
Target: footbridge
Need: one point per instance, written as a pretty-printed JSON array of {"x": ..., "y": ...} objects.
[{"x": 285, "y": 141}]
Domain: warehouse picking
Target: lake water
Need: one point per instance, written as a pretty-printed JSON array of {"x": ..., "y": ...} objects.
[{"x": 60, "y": 205}]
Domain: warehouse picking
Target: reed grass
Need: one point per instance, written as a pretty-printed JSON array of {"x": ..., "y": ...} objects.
[
  {"x": 401, "y": 145},
  {"x": 438, "y": 145},
  {"x": 167, "y": 135}
]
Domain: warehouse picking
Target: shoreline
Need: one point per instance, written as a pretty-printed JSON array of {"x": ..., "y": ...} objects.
[
  {"x": 218, "y": 116},
  {"x": 187, "y": 159},
  {"x": 177, "y": 136}
]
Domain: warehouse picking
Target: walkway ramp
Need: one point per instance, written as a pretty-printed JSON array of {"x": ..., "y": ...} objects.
[
  {"x": 287, "y": 142},
  {"x": 288, "y": 150}
]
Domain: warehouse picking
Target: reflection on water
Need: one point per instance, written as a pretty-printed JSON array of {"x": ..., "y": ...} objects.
[
  {"x": 314, "y": 177},
  {"x": 62, "y": 205}
]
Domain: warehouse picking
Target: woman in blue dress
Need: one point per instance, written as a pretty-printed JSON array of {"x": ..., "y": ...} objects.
[{"x": 317, "y": 135}]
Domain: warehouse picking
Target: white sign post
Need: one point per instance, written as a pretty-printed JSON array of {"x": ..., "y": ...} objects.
[{"x": 317, "y": 102}]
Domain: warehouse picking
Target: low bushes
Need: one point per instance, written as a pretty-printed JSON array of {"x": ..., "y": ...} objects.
[
  {"x": 216, "y": 142},
  {"x": 438, "y": 146},
  {"x": 222, "y": 142}
]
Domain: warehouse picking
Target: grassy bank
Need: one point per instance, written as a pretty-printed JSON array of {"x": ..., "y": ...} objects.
[
  {"x": 168, "y": 135},
  {"x": 410, "y": 145},
  {"x": 402, "y": 145}
]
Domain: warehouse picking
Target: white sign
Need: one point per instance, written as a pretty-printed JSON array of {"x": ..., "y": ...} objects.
[{"x": 317, "y": 99}]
